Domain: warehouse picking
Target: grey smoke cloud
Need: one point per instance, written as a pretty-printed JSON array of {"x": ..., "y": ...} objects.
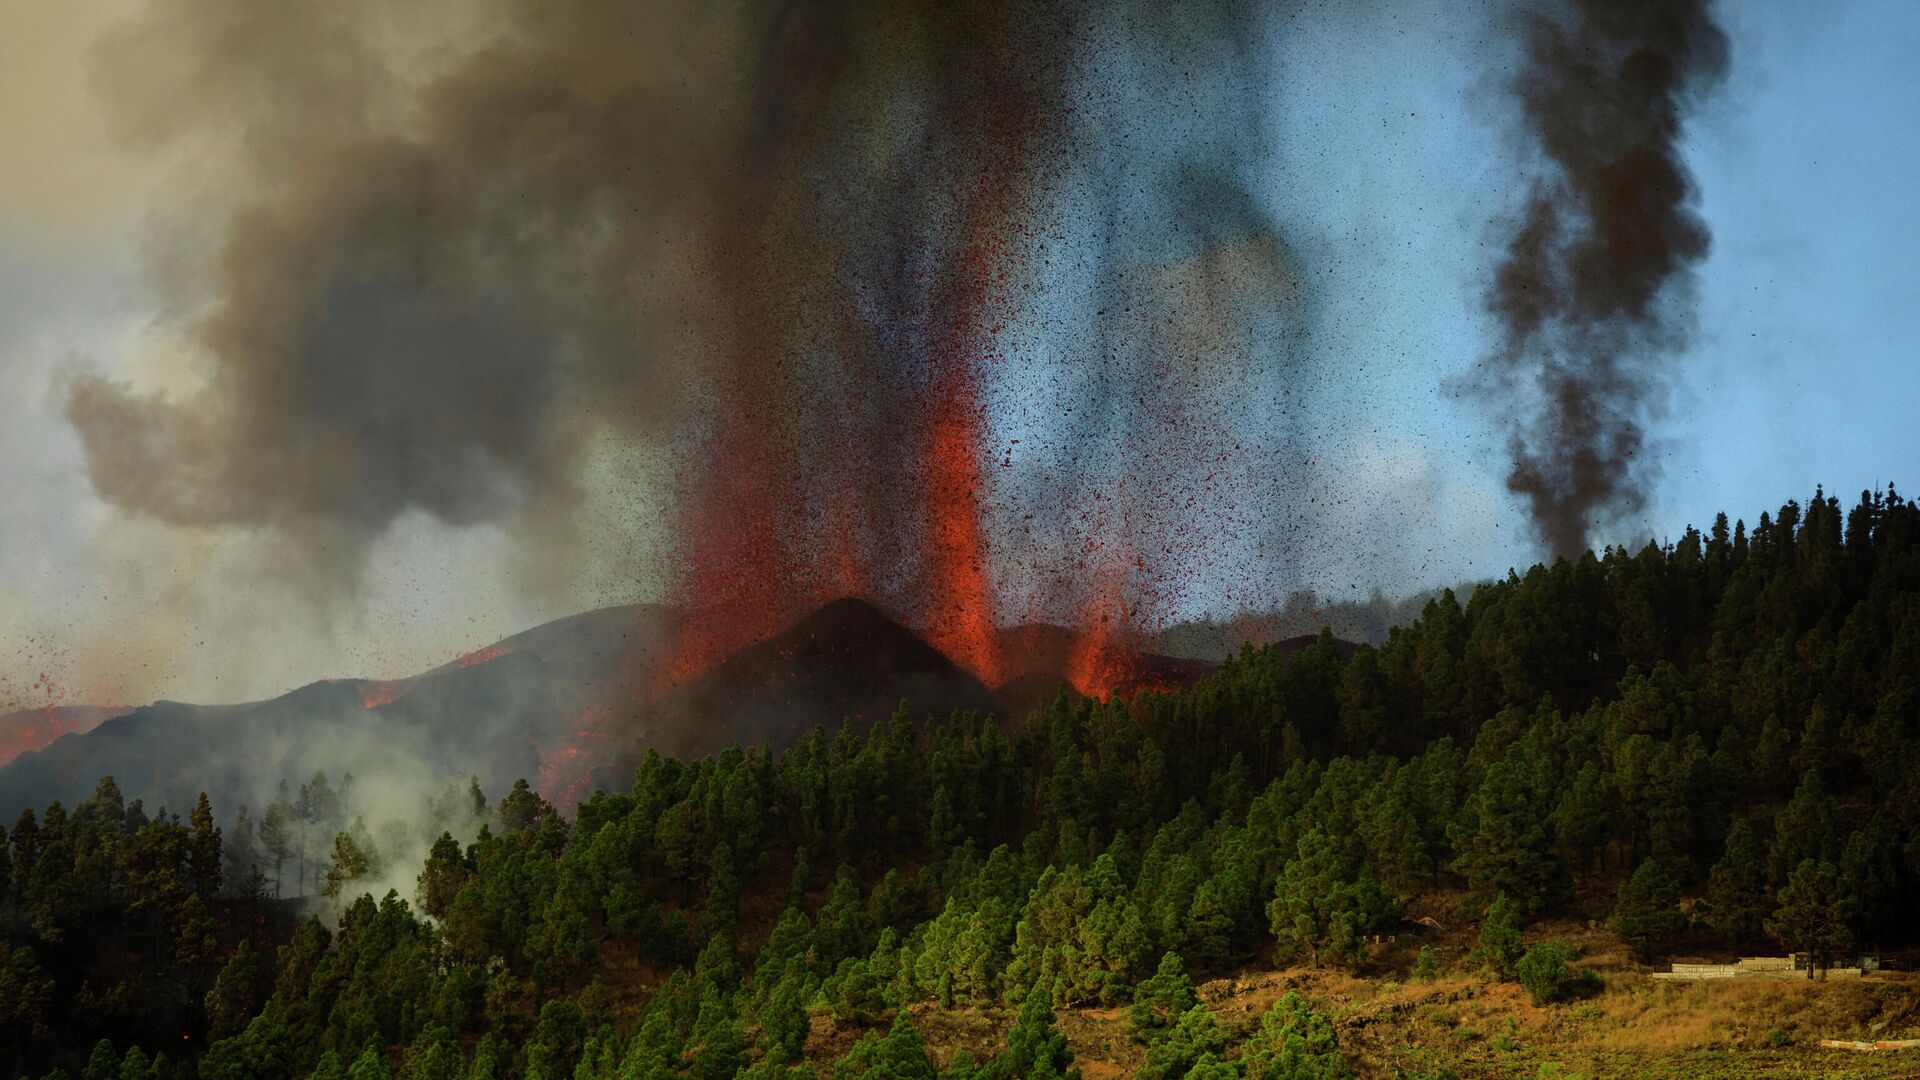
[
  {"x": 443, "y": 271},
  {"x": 437, "y": 261},
  {"x": 430, "y": 297}
]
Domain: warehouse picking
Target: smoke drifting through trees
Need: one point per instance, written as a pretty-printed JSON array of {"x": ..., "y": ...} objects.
[{"x": 1603, "y": 249}]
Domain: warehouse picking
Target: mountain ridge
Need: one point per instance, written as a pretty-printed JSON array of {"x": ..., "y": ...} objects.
[{"x": 571, "y": 702}]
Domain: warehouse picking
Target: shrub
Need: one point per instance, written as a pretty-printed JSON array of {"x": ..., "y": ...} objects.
[
  {"x": 1499, "y": 945},
  {"x": 1546, "y": 976},
  {"x": 1425, "y": 967}
]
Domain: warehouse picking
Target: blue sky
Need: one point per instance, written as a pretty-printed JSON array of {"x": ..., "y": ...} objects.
[
  {"x": 1807, "y": 368},
  {"x": 1384, "y": 161}
]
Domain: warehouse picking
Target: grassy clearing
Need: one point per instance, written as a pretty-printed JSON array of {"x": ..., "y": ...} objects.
[{"x": 1469, "y": 1027}]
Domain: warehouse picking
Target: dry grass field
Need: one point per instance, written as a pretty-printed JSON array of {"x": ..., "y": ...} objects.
[{"x": 1467, "y": 1026}]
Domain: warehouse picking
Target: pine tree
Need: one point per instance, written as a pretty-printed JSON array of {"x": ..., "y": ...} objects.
[
  {"x": 26, "y": 1001},
  {"x": 1425, "y": 967},
  {"x": 203, "y": 850},
  {"x": 1036, "y": 1050},
  {"x": 1323, "y": 906},
  {"x": 25, "y": 839},
  {"x": 435, "y": 1055},
  {"x": 1294, "y": 1043},
  {"x": 1194, "y": 1037},
  {"x": 1646, "y": 915},
  {"x": 898, "y": 1054},
  {"x": 1504, "y": 846},
  {"x": 194, "y": 941},
  {"x": 1583, "y": 818},
  {"x": 353, "y": 858},
  {"x": 854, "y": 995},
  {"x": 783, "y": 1018},
  {"x": 962, "y": 1067},
  {"x": 521, "y": 809},
  {"x": 721, "y": 912},
  {"x": 1736, "y": 899},
  {"x": 1803, "y": 830},
  {"x": 137, "y": 1066},
  {"x": 103, "y": 1063},
  {"x": 276, "y": 835},
  {"x": 1813, "y": 914},
  {"x": 1546, "y": 974},
  {"x": 1160, "y": 1000},
  {"x": 557, "y": 1040},
  {"x": 445, "y": 871},
  {"x": 371, "y": 1065},
  {"x": 1499, "y": 945},
  {"x": 721, "y": 1051},
  {"x": 230, "y": 1004}
]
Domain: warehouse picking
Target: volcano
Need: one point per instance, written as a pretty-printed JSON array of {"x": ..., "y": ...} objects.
[
  {"x": 845, "y": 661},
  {"x": 572, "y": 703}
]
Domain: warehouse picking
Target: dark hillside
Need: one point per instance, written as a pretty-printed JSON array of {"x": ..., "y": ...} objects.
[{"x": 846, "y": 660}]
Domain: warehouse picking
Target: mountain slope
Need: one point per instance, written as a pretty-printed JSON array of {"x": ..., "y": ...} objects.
[
  {"x": 569, "y": 704},
  {"x": 566, "y": 704},
  {"x": 515, "y": 708},
  {"x": 846, "y": 660},
  {"x": 24, "y": 730}
]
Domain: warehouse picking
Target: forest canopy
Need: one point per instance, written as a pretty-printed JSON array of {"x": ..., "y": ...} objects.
[{"x": 1719, "y": 736}]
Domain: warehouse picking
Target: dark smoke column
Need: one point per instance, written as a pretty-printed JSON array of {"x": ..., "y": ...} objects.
[{"x": 1587, "y": 288}]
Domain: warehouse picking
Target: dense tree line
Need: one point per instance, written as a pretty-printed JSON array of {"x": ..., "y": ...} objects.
[{"x": 1718, "y": 733}]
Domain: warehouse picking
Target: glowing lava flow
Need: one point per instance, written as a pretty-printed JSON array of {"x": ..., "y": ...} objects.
[
  {"x": 975, "y": 308},
  {"x": 962, "y": 626},
  {"x": 36, "y": 729},
  {"x": 374, "y": 694},
  {"x": 1099, "y": 665},
  {"x": 566, "y": 769},
  {"x": 481, "y": 656}
]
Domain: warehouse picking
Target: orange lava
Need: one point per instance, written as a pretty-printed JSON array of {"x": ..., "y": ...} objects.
[
  {"x": 374, "y": 694},
  {"x": 962, "y": 623},
  {"x": 481, "y": 656},
  {"x": 786, "y": 507},
  {"x": 975, "y": 308},
  {"x": 1099, "y": 666},
  {"x": 36, "y": 729},
  {"x": 566, "y": 770}
]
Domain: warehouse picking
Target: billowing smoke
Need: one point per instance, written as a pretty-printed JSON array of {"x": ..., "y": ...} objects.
[
  {"x": 801, "y": 245},
  {"x": 430, "y": 296},
  {"x": 979, "y": 310},
  {"x": 1589, "y": 288},
  {"x": 921, "y": 174}
]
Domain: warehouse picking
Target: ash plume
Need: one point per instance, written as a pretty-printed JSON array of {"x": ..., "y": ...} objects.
[
  {"x": 1586, "y": 293},
  {"x": 926, "y": 172},
  {"x": 986, "y": 312},
  {"x": 429, "y": 294},
  {"x": 794, "y": 244}
]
